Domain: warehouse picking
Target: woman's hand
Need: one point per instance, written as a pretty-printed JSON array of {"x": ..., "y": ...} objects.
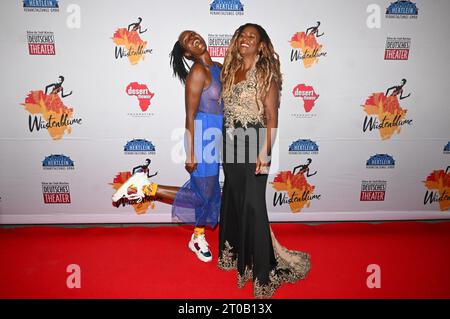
[
  {"x": 191, "y": 165},
  {"x": 262, "y": 165}
]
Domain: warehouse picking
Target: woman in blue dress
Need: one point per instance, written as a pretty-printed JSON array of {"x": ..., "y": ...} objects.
[{"x": 197, "y": 202}]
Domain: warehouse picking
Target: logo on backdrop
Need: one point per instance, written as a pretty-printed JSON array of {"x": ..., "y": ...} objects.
[
  {"x": 40, "y": 5},
  {"x": 293, "y": 188},
  {"x": 226, "y": 7},
  {"x": 438, "y": 188},
  {"x": 129, "y": 43},
  {"x": 304, "y": 147},
  {"x": 134, "y": 188},
  {"x": 139, "y": 147},
  {"x": 305, "y": 46},
  {"x": 218, "y": 44},
  {"x": 41, "y": 43},
  {"x": 447, "y": 148},
  {"x": 48, "y": 112},
  {"x": 56, "y": 193},
  {"x": 397, "y": 48},
  {"x": 402, "y": 9},
  {"x": 58, "y": 162},
  {"x": 384, "y": 112},
  {"x": 143, "y": 95},
  {"x": 373, "y": 191},
  {"x": 380, "y": 161},
  {"x": 308, "y": 97}
]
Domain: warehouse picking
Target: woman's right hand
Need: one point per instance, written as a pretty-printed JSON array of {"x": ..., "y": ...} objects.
[{"x": 191, "y": 165}]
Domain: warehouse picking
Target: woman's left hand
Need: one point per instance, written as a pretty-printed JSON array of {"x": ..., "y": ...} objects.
[{"x": 262, "y": 165}]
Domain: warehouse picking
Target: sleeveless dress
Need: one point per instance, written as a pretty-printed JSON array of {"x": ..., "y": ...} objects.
[
  {"x": 198, "y": 200},
  {"x": 246, "y": 242}
]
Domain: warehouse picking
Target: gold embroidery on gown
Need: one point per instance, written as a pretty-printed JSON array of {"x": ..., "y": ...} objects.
[
  {"x": 291, "y": 266},
  {"x": 243, "y": 104}
]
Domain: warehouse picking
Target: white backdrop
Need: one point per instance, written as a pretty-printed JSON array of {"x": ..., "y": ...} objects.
[{"x": 355, "y": 35}]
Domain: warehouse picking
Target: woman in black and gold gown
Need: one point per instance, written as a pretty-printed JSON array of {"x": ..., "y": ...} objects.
[{"x": 251, "y": 84}]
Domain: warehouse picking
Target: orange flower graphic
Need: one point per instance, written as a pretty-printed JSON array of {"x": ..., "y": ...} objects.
[
  {"x": 440, "y": 181},
  {"x": 51, "y": 108},
  {"x": 307, "y": 45},
  {"x": 296, "y": 185},
  {"x": 132, "y": 42},
  {"x": 387, "y": 108}
]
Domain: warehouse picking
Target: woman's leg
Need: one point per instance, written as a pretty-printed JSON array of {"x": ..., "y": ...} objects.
[{"x": 166, "y": 194}]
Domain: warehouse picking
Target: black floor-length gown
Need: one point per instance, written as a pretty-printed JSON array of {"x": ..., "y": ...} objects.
[{"x": 246, "y": 242}]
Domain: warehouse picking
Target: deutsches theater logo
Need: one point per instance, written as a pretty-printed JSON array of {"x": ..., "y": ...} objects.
[
  {"x": 226, "y": 7},
  {"x": 402, "y": 9},
  {"x": 129, "y": 43},
  {"x": 305, "y": 46},
  {"x": 143, "y": 95},
  {"x": 41, "y": 43},
  {"x": 139, "y": 147},
  {"x": 373, "y": 191},
  {"x": 40, "y": 6},
  {"x": 384, "y": 112},
  {"x": 380, "y": 161},
  {"x": 397, "y": 48},
  {"x": 57, "y": 162},
  {"x": 56, "y": 193},
  {"x": 218, "y": 44}
]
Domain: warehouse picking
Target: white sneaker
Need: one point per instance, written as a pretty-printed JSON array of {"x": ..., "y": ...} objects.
[{"x": 199, "y": 246}]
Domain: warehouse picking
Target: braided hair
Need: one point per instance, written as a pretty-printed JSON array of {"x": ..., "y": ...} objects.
[{"x": 178, "y": 62}]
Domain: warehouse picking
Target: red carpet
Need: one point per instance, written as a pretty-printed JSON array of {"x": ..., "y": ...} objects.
[{"x": 154, "y": 262}]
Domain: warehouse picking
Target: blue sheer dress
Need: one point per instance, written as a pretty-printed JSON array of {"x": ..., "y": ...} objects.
[{"x": 198, "y": 200}]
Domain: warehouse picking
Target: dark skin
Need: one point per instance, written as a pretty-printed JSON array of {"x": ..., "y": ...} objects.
[
  {"x": 249, "y": 44},
  {"x": 198, "y": 79},
  {"x": 166, "y": 194}
]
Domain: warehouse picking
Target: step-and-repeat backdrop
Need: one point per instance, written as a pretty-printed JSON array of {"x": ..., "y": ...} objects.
[{"x": 87, "y": 94}]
